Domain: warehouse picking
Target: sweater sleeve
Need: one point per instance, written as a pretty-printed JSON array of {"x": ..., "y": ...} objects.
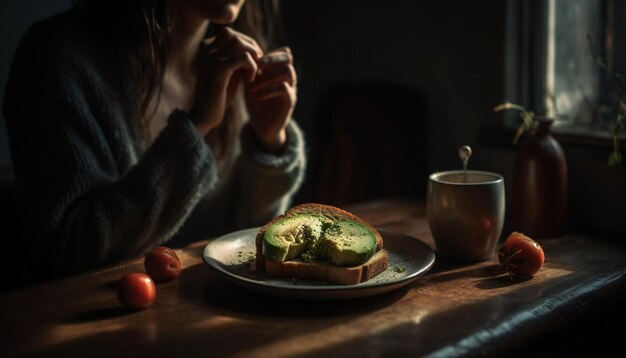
[
  {"x": 268, "y": 182},
  {"x": 81, "y": 209}
]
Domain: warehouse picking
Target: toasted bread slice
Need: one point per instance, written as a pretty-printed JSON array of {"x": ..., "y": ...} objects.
[{"x": 322, "y": 270}]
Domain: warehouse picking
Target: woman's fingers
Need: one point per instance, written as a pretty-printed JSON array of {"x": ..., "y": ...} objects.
[
  {"x": 251, "y": 41},
  {"x": 222, "y": 38},
  {"x": 236, "y": 44},
  {"x": 228, "y": 53},
  {"x": 279, "y": 56},
  {"x": 273, "y": 75},
  {"x": 242, "y": 60},
  {"x": 275, "y": 67},
  {"x": 282, "y": 89},
  {"x": 229, "y": 40},
  {"x": 272, "y": 96},
  {"x": 275, "y": 59}
]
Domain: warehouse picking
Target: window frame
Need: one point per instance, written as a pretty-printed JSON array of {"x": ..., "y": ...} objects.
[{"x": 527, "y": 64}]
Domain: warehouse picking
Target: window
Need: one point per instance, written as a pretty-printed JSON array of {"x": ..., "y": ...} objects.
[
  {"x": 573, "y": 79},
  {"x": 552, "y": 68},
  {"x": 585, "y": 47}
]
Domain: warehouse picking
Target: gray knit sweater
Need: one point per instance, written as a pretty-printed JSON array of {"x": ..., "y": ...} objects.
[{"x": 91, "y": 194}]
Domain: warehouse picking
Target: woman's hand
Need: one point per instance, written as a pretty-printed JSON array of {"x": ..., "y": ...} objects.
[
  {"x": 271, "y": 98},
  {"x": 222, "y": 63}
]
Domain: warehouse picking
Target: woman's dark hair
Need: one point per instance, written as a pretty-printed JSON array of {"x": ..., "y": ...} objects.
[{"x": 145, "y": 29}]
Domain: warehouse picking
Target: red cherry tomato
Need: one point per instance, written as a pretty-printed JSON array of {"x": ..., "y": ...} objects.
[
  {"x": 162, "y": 264},
  {"x": 521, "y": 256},
  {"x": 136, "y": 290}
]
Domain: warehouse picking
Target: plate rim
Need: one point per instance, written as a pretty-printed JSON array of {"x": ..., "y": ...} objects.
[{"x": 216, "y": 265}]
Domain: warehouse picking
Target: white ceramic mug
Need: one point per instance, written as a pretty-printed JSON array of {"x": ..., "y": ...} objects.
[{"x": 466, "y": 213}]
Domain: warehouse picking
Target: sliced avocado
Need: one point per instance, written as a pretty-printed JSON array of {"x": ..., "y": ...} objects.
[
  {"x": 290, "y": 237},
  {"x": 348, "y": 243},
  {"x": 317, "y": 238}
]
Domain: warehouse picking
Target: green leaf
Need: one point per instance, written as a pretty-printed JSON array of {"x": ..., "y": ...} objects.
[
  {"x": 509, "y": 105},
  {"x": 615, "y": 158},
  {"x": 529, "y": 123},
  {"x": 518, "y": 133}
]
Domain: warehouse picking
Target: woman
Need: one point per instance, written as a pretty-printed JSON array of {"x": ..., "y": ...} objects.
[{"x": 130, "y": 131}]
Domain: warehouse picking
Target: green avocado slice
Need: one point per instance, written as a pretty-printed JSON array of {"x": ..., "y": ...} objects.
[
  {"x": 289, "y": 238},
  {"x": 349, "y": 243},
  {"x": 317, "y": 238}
]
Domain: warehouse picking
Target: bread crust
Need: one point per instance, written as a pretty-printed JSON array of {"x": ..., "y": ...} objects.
[
  {"x": 321, "y": 270},
  {"x": 330, "y": 273}
]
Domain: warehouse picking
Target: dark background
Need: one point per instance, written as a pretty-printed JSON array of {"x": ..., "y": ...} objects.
[
  {"x": 443, "y": 51},
  {"x": 388, "y": 91},
  {"x": 15, "y": 18},
  {"x": 450, "y": 54}
]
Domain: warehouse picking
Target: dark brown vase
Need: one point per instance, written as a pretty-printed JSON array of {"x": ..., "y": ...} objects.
[{"x": 540, "y": 185}]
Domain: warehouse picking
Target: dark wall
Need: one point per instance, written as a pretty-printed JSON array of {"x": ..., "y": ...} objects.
[
  {"x": 15, "y": 18},
  {"x": 452, "y": 52}
]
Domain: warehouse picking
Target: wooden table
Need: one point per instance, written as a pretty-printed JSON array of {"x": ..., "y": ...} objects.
[{"x": 455, "y": 309}]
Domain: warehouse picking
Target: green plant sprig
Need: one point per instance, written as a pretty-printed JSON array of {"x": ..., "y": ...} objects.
[
  {"x": 615, "y": 157},
  {"x": 528, "y": 124}
]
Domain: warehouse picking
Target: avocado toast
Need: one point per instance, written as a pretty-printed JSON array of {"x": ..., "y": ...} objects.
[{"x": 320, "y": 242}]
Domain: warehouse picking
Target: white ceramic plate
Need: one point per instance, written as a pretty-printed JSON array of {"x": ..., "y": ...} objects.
[{"x": 232, "y": 256}]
